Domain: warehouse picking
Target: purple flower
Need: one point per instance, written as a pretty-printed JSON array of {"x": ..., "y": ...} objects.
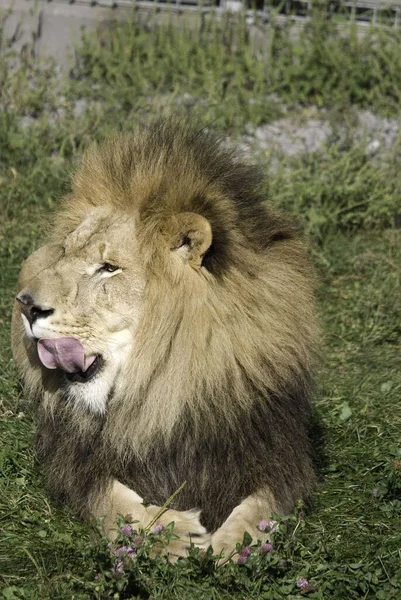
[
  {"x": 243, "y": 555},
  {"x": 262, "y": 525},
  {"x": 266, "y": 547},
  {"x": 158, "y": 528},
  {"x": 117, "y": 569},
  {"x": 120, "y": 551},
  {"x": 126, "y": 530},
  {"x": 125, "y": 551},
  {"x": 302, "y": 583}
]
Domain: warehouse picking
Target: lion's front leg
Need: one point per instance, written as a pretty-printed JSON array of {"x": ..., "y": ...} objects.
[
  {"x": 121, "y": 500},
  {"x": 245, "y": 517}
]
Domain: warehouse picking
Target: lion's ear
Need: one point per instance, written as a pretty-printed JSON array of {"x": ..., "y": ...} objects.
[{"x": 190, "y": 236}]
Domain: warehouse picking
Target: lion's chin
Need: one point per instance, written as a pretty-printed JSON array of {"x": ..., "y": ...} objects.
[{"x": 89, "y": 374}]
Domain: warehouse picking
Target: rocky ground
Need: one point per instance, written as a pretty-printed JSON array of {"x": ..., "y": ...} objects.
[
  {"x": 298, "y": 131},
  {"x": 309, "y": 130}
]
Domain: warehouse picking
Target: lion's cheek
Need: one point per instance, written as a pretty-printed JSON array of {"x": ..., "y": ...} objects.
[{"x": 119, "y": 301}]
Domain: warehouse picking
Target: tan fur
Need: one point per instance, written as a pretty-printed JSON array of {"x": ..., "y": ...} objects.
[
  {"x": 251, "y": 511},
  {"x": 190, "y": 334},
  {"x": 120, "y": 500}
]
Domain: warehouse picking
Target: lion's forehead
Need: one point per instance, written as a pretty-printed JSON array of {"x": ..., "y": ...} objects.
[
  {"x": 113, "y": 243},
  {"x": 99, "y": 231}
]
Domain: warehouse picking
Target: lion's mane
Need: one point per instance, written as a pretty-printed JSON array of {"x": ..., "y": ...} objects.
[{"x": 220, "y": 381}]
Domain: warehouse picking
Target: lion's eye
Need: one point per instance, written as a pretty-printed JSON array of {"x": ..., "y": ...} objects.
[{"x": 107, "y": 268}]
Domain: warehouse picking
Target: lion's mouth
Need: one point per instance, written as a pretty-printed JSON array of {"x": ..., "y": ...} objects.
[
  {"x": 85, "y": 376},
  {"x": 68, "y": 354}
]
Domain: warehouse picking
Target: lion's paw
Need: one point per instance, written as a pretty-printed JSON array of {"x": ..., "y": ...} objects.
[
  {"x": 224, "y": 543},
  {"x": 226, "y": 538},
  {"x": 187, "y": 527}
]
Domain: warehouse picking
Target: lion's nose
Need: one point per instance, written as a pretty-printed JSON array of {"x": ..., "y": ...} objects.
[{"x": 31, "y": 310}]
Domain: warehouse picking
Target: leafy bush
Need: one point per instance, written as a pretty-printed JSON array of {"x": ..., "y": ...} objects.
[{"x": 331, "y": 64}]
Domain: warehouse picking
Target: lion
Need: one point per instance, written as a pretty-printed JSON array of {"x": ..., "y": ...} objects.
[{"x": 167, "y": 333}]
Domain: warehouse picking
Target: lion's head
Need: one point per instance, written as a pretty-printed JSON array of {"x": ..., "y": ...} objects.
[
  {"x": 80, "y": 303},
  {"x": 167, "y": 286}
]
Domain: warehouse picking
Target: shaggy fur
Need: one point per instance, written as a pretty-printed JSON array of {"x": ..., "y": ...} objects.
[{"x": 215, "y": 388}]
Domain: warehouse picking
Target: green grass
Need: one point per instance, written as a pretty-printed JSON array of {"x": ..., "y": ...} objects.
[{"x": 348, "y": 544}]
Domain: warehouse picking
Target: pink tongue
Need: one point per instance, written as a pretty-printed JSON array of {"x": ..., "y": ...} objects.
[{"x": 66, "y": 353}]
